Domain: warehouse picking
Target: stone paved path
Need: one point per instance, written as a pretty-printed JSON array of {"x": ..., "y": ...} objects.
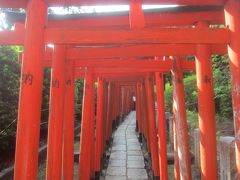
[{"x": 126, "y": 159}]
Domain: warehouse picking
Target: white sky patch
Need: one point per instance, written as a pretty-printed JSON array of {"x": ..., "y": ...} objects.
[
  {"x": 100, "y": 9},
  {"x": 3, "y": 24},
  {"x": 83, "y": 9}
]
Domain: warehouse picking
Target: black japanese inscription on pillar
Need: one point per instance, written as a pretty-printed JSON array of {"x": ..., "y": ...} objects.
[
  {"x": 27, "y": 79},
  {"x": 179, "y": 81},
  {"x": 55, "y": 83},
  {"x": 206, "y": 79},
  {"x": 68, "y": 81}
]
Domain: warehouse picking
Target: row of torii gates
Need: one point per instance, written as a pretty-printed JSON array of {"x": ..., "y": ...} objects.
[{"x": 126, "y": 55}]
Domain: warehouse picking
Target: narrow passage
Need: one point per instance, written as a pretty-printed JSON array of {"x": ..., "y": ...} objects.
[{"x": 126, "y": 159}]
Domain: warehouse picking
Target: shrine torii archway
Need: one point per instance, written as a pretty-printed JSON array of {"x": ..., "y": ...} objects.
[{"x": 201, "y": 41}]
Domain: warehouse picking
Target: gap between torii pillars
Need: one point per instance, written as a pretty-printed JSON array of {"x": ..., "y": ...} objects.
[
  {"x": 206, "y": 112},
  {"x": 181, "y": 122},
  {"x": 56, "y": 114},
  {"x": 30, "y": 97},
  {"x": 163, "y": 164},
  {"x": 68, "y": 125},
  {"x": 232, "y": 17},
  {"x": 84, "y": 157}
]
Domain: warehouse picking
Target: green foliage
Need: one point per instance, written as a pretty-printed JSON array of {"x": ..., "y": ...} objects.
[
  {"x": 79, "y": 84},
  {"x": 222, "y": 87},
  {"x": 9, "y": 87},
  {"x": 190, "y": 94},
  {"x": 192, "y": 119},
  {"x": 168, "y": 97},
  {"x": 9, "y": 95},
  {"x": 45, "y": 99},
  {"x": 222, "y": 91},
  {"x": 190, "y": 91}
]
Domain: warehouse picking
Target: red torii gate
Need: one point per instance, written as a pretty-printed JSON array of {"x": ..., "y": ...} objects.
[
  {"x": 36, "y": 35},
  {"x": 159, "y": 65}
]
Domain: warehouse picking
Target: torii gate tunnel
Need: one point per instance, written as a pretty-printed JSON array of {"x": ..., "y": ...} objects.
[{"x": 126, "y": 54}]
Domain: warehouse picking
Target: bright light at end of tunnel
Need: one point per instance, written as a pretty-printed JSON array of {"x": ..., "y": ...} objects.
[{"x": 50, "y": 45}]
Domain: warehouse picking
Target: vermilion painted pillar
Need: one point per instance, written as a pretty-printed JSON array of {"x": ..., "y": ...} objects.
[
  {"x": 104, "y": 116},
  {"x": 84, "y": 158},
  {"x": 109, "y": 121},
  {"x": 115, "y": 100},
  {"x": 146, "y": 119},
  {"x": 152, "y": 125},
  {"x": 113, "y": 107},
  {"x": 56, "y": 115},
  {"x": 122, "y": 101},
  {"x": 119, "y": 93},
  {"x": 140, "y": 126},
  {"x": 206, "y": 112},
  {"x": 30, "y": 96},
  {"x": 136, "y": 15},
  {"x": 92, "y": 135},
  {"x": 232, "y": 17},
  {"x": 181, "y": 122},
  {"x": 163, "y": 164},
  {"x": 107, "y": 110},
  {"x": 138, "y": 110},
  {"x": 125, "y": 101},
  {"x": 129, "y": 101},
  {"x": 176, "y": 160},
  {"x": 142, "y": 110},
  {"x": 68, "y": 125},
  {"x": 99, "y": 126},
  {"x": 132, "y": 102},
  {"x": 137, "y": 21},
  {"x": 119, "y": 103}
]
